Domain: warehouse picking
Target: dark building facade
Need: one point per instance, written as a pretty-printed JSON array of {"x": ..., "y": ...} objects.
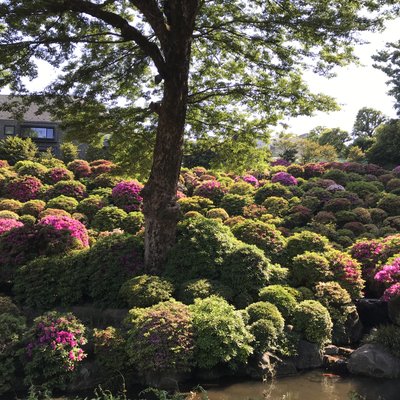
[{"x": 39, "y": 127}]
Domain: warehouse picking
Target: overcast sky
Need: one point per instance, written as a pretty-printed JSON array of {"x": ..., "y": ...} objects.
[{"x": 354, "y": 87}]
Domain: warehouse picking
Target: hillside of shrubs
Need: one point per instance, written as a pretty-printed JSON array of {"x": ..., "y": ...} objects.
[{"x": 261, "y": 261}]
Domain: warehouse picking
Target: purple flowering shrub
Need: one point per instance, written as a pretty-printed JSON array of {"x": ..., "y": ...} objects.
[
  {"x": 312, "y": 170},
  {"x": 23, "y": 188},
  {"x": 389, "y": 275},
  {"x": 7, "y": 224},
  {"x": 76, "y": 228},
  {"x": 58, "y": 174},
  {"x": 250, "y": 179},
  {"x": 53, "y": 349},
  {"x": 280, "y": 161},
  {"x": 161, "y": 338},
  {"x": 126, "y": 195},
  {"x": 210, "y": 189},
  {"x": 284, "y": 179},
  {"x": 80, "y": 168}
]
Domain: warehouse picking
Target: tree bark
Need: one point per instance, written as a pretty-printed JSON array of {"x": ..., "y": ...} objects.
[{"x": 159, "y": 195}]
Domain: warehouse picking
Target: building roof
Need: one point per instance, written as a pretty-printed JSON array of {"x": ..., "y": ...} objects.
[{"x": 29, "y": 116}]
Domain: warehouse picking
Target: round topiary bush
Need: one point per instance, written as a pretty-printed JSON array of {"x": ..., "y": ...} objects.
[
  {"x": 281, "y": 297},
  {"x": 73, "y": 189},
  {"x": 266, "y": 311},
  {"x": 54, "y": 211},
  {"x": 126, "y": 195},
  {"x": 217, "y": 213},
  {"x": 62, "y": 202},
  {"x": 11, "y": 205},
  {"x": 265, "y": 335},
  {"x": 220, "y": 334},
  {"x": 8, "y": 215},
  {"x": 195, "y": 203},
  {"x": 390, "y": 203},
  {"x": 271, "y": 190},
  {"x": 234, "y": 203},
  {"x": 80, "y": 168},
  {"x": 202, "y": 288},
  {"x": 263, "y": 235},
  {"x": 212, "y": 190},
  {"x": 146, "y": 291},
  {"x": 14, "y": 149},
  {"x": 91, "y": 205},
  {"x": 160, "y": 338},
  {"x": 23, "y": 188},
  {"x": 58, "y": 174},
  {"x": 305, "y": 241},
  {"x": 6, "y": 224},
  {"x": 112, "y": 261},
  {"x": 277, "y": 206},
  {"x": 30, "y": 168},
  {"x": 241, "y": 189},
  {"x": 312, "y": 320},
  {"x": 308, "y": 268},
  {"x": 201, "y": 247},
  {"x": 33, "y": 207},
  {"x": 133, "y": 222},
  {"x": 245, "y": 271},
  {"x": 109, "y": 218},
  {"x": 53, "y": 350}
]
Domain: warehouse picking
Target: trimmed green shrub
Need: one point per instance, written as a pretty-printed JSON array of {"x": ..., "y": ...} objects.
[
  {"x": 109, "y": 218},
  {"x": 362, "y": 188},
  {"x": 146, "y": 291},
  {"x": 281, "y": 297},
  {"x": 265, "y": 335},
  {"x": 133, "y": 222},
  {"x": 245, "y": 271},
  {"x": 220, "y": 334},
  {"x": 271, "y": 190},
  {"x": 74, "y": 189},
  {"x": 241, "y": 188},
  {"x": 267, "y": 311},
  {"x": 62, "y": 202},
  {"x": 217, "y": 213},
  {"x": 195, "y": 203},
  {"x": 202, "y": 288},
  {"x": 160, "y": 338},
  {"x": 8, "y": 215},
  {"x": 277, "y": 206},
  {"x": 7, "y": 306},
  {"x": 305, "y": 241},
  {"x": 91, "y": 205},
  {"x": 390, "y": 203},
  {"x": 264, "y": 236},
  {"x": 33, "y": 207},
  {"x": 312, "y": 320},
  {"x": 11, "y": 205},
  {"x": 201, "y": 247},
  {"x": 234, "y": 203},
  {"x": 308, "y": 268}
]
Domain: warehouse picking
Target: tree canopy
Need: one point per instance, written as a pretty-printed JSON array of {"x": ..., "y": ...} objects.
[
  {"x": 204, "y": 67},
  {"x": 366, "y": 122}
]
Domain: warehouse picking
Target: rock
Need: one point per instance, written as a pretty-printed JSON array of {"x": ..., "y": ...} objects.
[
  {"x": 335, "y": 364},
  {"x": 309, "y": 355},
  {"x": 350, "y": 331},
  {"x": 285, "y": 368},
  {"x": 331, "y": 350},
  {"x": 260, "y": 367},
  {"x": 346, "y": 352},
  {"x": 375, "y": 361},
  {"x": 372, "y": 312}
]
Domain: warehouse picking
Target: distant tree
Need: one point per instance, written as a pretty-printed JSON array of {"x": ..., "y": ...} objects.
[
  {"x": 388, "y": 61},
  {"x": 366, "y": 122},
  {"x": 310, "y": 151},
  {"x": 14, "y": 149},
  {"x": 363, "y": 142},
  {"x": 335, "y": 137},
  {"x": 285, "y": 146},
  {"x": 386, "y": 149},
  {"x": 69, "y": 152},
  {"x": 355, "y": 154}
]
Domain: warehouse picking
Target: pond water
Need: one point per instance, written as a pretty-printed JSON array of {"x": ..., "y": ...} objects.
[{"x": 314, "y": 385}]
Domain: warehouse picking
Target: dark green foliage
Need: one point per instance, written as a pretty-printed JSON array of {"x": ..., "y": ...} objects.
[
  {"x": 202, "y": 246},
  {"x": 312, "y": 320},
  {"x": 69, "y": 152},
  {"x": 362, "y": 188},
  {"x": 245, "y": 271},
  {"x": 112, "y": 261},
  {"x": 305, "y": 241},
  {"x": 234, "y": 203},
  {"x": 133, "y": 222},
  {"x": 266, "y": 311},
  {"x": 7, "y": 306},
  {"x": 265, "y": 335},
  {"x": 49, "y": 282},
  {"x": 390, "y": 203},
  {"x": 220, "y": 334},
  {"x": 202, "y": 288},
  {"x": 109, "y": 218},
  {"x": 62, "y": 202},
  {"x": 388, "y": 336},
  {"x": 195, "y": 203},
  {"x": 281, "y": 297},
  {"x": 14, "y": 149},
  {"x": 146, "y": 291},
  {"x": 91, "y": 205},
  {"x": 271, "y": 189}
]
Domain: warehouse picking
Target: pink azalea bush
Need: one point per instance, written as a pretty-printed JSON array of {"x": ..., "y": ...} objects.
[
  {"x": 7, "y": 224},
  {"x": 54, "y": 349},
  {"x": 389, "y": 275},
  {"x": 251, "y": 179},
  {"x": 391, "y": 292},
  {"x": 76, "y": 228},
  {"x": 211, "y": 189},
  {"x": 284, "y": 179},
  {"x": 80, "y": 168},
  {"x": 57, "y": 174},
  {"x": 24, "y": 188},
  {"x": 280, "y": 161},
  {"x": 126, "y": 195}
]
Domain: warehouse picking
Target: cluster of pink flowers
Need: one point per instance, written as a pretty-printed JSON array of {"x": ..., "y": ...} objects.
[
  {"x": 126, "y": 195},
  {"x": 7, "y": 224},
  {"x": 80, "y": 168},
  {"x": 211, "y": 190},
  {"x": 389, "y": 273},
  {"x": 4, "y": 164},
  {"x": 367, "y": 252},
  {"x": 284, "y": 178},
  {"x": 102, "y": 166},
  {"x": 251, "y": 179},
  {"x": 180, "y": 195},
  {"x": 55, "y": 175},
  {"x": 24, "y": 188},
  {"x": 312, "y": 170},
  {"x": 391, "y": 292},
  {"x": 60, "y": 334},
  {"x": 76, "y": 228},
  {"x": 280, "y": 162}
]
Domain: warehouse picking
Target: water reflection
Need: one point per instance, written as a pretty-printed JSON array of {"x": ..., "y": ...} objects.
[{"x": 310, "y": 386}]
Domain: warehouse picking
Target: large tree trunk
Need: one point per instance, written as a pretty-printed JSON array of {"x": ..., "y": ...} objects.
[{"x": 160, "y": 208}]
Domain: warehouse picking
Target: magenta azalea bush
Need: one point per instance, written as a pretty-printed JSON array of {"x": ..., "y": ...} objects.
[
  {"x": 57, "y": 174},
  {"x": 53, "y": 349},
  {"x": 76, "y": 228},
  {"x": 7, "y": 224},
  {"x": 126, "y": 195},
  {"x": 24, "y": 188},
  {"x": 211, "y": 189},
  {"x": 80, "y": 168},
  {"x": 389, "y": 275},
  {"x": 251, "y": 179},
  {"x": 280, "y": 161},
  {"x": 284, "y": 179},
  {"x": 391, "y": 292}
]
